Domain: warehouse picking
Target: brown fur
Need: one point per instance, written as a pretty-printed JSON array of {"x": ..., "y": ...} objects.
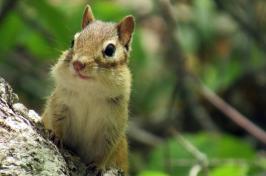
[{"x": 89, "y": 114}]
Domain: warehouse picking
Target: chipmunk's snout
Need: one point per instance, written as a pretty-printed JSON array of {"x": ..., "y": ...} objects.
[{"x": 78, "y": 66}]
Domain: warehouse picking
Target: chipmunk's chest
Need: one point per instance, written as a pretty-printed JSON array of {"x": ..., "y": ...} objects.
[
  {"x": 91, "y": 119},
  {"x": 88, "y": 117}
]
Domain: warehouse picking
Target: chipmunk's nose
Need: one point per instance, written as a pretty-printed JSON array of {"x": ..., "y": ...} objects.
[{"x": 78, "y": 66}]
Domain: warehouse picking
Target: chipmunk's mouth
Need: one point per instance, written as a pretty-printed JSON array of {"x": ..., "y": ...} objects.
[{"x": 81, "y": 76}]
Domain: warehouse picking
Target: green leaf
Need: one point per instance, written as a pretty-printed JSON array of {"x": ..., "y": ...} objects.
[
  {"x": 221, "y": 74},
  {"x": 204, "y": 17},
  {"x": 152, "y": 173},
  {"x": 231, "y": 169},
  {"x": 211, "y": 77},
  {"x": 215, "y": 146},
  {"x": 188, "y": 38}
]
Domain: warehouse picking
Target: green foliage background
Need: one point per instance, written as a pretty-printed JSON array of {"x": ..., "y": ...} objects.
[{"x": 219, "y": 52}]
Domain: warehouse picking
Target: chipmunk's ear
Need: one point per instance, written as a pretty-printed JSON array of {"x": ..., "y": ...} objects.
[
  {"x": 125, "y": 29},
  {"x": 87, "y": 16}
]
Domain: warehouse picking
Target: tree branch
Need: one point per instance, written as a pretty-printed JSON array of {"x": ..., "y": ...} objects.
[{"x": 234, "y": 115}]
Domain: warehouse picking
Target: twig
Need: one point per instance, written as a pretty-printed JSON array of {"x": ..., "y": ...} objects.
[
  {"x": 195, "y": 170},
  {"x": 233, "y": 114},
  {"x": 212, "y": 162},
  {"x": 196, "y": 153},
  {"x": 143, "y": 136}
]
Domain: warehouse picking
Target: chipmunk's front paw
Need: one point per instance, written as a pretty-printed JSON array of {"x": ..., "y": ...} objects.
[
  {"x": 93, "y": 170},
  {"x": 56, "y": 140}
]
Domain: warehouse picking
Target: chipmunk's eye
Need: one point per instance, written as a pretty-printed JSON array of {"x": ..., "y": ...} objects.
[
  {"x": 109, "y": 50},
  {"x": 72, "y": 43}
]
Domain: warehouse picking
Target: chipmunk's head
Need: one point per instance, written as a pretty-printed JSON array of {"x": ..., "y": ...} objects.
[{"x": 99, "y": 52}]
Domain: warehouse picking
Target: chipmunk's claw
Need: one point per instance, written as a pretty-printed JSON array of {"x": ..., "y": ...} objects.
[
  {"x": 93, "y": 170},
  {"x": 56, "y": 140}
]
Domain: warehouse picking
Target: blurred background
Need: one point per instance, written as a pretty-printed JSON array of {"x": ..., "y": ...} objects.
[{"x": 196, "y": 66}]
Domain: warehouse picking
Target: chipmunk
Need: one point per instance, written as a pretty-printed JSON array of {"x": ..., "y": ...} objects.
[{"x": 88, "y": 109}]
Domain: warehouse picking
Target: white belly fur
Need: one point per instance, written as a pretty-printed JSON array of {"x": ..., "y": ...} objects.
[{"x": 90, "y": 118}]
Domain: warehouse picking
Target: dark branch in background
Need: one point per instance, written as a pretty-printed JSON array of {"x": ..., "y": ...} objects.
[
  {"x": 144, "y": 137},
  {"x": 234, "y": 115},
  {"x": 174, "y": 51},
  {"x": 183, "y": 89},
  {"x": 249, "y": 26},
  {"x": 8, "y": 5}
]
